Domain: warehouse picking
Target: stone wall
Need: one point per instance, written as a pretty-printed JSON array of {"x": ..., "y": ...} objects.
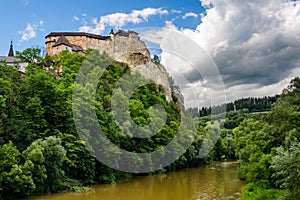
[{"x": 117, "y": 46}]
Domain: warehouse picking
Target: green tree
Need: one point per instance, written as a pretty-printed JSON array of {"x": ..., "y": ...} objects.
[
  {"x": 30, "y": 55},
  {"x": 34, "y": 154},
  {"x": 286, "y": 166},
  {"x": 54, "y": 155},
  {"x": 15, "y": 178},
  {"x": 10, "y": 81}
]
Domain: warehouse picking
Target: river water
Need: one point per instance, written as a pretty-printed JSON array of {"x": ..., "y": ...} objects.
[{"x": 215, "y": 181}]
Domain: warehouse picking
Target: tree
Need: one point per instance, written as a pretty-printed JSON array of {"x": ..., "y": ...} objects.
[
  {"x": 30, "y": 55},
  {"x": 34, "y": 154},
  {"x": 10, "y": 81},
  {"x": 54, "y": 155},
  {"x": 15, "y": 178},
  {"x": 286, "y": 166}
]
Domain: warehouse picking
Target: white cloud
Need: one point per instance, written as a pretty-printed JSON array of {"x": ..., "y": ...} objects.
[
  {"x": 255, "y": 45},
  {"x": 206, "y": 3},
  {"x": 30, "y": 31},
  {"x": 156, "y": 36},
  {"x": 175, "y": 11},
  {"x": 189, "y": 14},
  {"x": 75, "y": 18},
  {"x": 118, "y": 20}
]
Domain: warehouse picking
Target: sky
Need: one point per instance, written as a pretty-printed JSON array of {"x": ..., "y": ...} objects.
[{"x": 215, "y": 50}]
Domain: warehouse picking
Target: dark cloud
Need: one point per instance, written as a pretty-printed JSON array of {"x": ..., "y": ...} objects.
[{"x": 254, "y": 44}]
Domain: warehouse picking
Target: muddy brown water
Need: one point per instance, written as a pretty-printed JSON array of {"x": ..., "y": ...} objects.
[{"x": 215, "y": 181}]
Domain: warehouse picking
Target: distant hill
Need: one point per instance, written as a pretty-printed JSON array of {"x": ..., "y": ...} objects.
[{"x": 252, "y": 104}]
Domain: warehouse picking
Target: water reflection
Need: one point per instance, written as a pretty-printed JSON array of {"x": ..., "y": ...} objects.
[{"x": 215, "y": 181}]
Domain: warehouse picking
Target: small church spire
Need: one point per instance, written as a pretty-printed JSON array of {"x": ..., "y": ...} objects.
[{"x": 11, "y": 50}]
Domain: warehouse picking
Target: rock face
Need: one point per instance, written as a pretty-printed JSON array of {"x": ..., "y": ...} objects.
[
  {"x": 156, "y": 73},
  {"x": 123, "y": 46}
]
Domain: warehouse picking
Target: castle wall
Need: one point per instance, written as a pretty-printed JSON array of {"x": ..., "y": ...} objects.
[
  {"x": 50, "y": 41},
  {"x": 78, "y": 40},
  {"x": 101, "y": 45},
  {"x": 117, "y": 46},
  {"x": 58, "y": 49}
]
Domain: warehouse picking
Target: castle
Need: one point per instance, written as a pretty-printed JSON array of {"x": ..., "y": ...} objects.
[{"x": 122, "y": 46}]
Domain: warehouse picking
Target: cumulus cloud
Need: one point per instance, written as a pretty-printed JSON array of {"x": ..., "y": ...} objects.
[
  {"x": 255, "y": 45},
  {"x": 251, "y": 41},
  {"x": 119, "y": 19},
  {"x": 30, "y": 31},
  {"x": 189, "y": 14},
  {"x": 155, "y": 36}
]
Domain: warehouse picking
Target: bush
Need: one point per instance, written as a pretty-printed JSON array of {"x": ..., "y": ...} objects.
[{"x": 261, "y": 190}]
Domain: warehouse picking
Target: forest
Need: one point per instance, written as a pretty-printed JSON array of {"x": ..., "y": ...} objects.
[{"x": 41, "y": 151}]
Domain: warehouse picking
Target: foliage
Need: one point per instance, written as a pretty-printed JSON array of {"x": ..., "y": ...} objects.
[
  {"x": 286, "y": 166},
  {"x": 37, "y": 170},
  {"x": 268, "y": 148},
  {"x": 54, "y": 154},
  {"x": 251, "y": 104},
  {"x": 261, "y": 190},
  {"x": 30, "y": 55}
]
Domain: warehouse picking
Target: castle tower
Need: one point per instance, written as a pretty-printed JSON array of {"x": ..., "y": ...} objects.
[
  {"x": 112, "y": 37},
  {"x": 11, "y": 50}
]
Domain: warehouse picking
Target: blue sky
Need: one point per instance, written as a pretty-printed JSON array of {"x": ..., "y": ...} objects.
[
  {"x": 254, "y": 44},
  {"x": 27, "y": 22}
]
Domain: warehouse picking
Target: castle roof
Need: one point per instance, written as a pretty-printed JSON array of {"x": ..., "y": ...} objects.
[
  {"x": 120, "y": 33},
  {"x": 78, "y": 34},
  {"x": 62, "y": 40},
  {"x": 10, "y": 59},
  {"x": 16, "y": 62},
  {"x": 125, "y": 33},
  {"x": 77, "y": 48}
]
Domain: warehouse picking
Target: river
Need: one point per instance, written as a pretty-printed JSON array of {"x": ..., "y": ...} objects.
[{"x": 215, "y": 181}]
